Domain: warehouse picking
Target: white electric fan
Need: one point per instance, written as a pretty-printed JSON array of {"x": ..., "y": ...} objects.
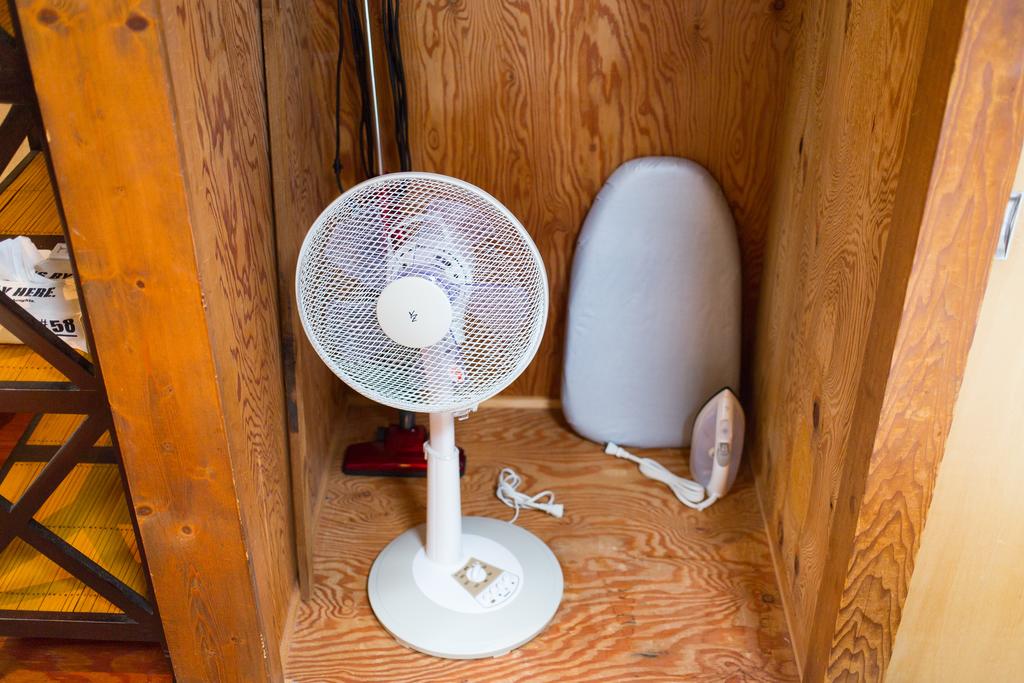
[{"x": 424, "y": 293}]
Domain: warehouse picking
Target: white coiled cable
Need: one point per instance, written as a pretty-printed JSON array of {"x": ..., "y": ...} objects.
[
  {"x": 688, "y": 492},
  {"x": 509, "y": 494}
]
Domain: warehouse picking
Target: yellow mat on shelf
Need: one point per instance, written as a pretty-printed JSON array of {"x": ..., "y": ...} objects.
[
  {"x": 54, "y": 429},
  {"x": 27, "y": 204},
  {"x": 6, "y": 23},
  {"x": 88, "y": 510},
  {"x": 19, "y": 363}
]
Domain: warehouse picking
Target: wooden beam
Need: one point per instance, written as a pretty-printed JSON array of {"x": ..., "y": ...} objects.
[
  {"x": 37, "y": 397},
  {"x": 215, "y": 63},
  {"x": 26, "y": 626},
  {"x": 975, "y": 68},
  {"x": 882, "y": 230},
  {"x": 158, "y": 136}
]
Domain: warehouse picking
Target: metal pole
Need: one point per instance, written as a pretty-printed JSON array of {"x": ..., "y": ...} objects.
[{"x": 373, "y": 88}]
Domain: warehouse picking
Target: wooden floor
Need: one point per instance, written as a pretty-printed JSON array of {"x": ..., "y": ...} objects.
[
  {"x": 653, "y": 590},
  {"x": 33, "y": 660}
]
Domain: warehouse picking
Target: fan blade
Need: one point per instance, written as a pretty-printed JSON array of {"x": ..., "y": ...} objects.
[
  {"x": 444, "y": 369},
  {"x": 496, "y": 309},
  {"x": 446, "y": 214},
  {"x": 363, "y": 338},
  {"x": 360, "y": 248}
]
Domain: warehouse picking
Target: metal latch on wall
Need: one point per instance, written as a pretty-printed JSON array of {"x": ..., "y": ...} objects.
[{"x": 1006, "y": 232}]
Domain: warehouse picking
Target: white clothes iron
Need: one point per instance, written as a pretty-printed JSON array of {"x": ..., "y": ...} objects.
[{"x": 715, "y": 453}]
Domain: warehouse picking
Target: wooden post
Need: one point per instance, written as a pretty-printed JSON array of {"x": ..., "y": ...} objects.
[
  {"x": 964, "y": 182},
  {"x": 157, "y": 120},
  {"x": 902, "y": 126}
]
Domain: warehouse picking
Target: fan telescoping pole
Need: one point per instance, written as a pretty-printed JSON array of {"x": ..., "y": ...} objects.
[
  {"x": 444, "y": 500},
  {"x": 444, "y": 504},
  {"x": 406, "y": 419}
]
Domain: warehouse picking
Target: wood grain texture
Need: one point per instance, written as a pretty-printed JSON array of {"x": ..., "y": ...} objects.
[
  {"x": 538, "y": 102},
  {"x": 27, "y": 660},
  {"x": 134, "y": 209},
  {"x": 215, "y": 62},
  {"x": 629, "y": 81},
  {"x": 653, "y": 591},
  {"x": 850, "y": 236},
  {"x": 967, "y": 187},
  {"x": 845, "y": 130},
  {"x": 964, "y": 611},
  {"x": 300, "y": 44}
]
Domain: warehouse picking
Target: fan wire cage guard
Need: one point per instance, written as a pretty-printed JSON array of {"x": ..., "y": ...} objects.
[{"x": 445, "y": 231}]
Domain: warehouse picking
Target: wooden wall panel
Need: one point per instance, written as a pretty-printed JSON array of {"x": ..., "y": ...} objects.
[
  {"x": 538, "y": 102},
  {"x": 215, "y": 62},
  {"x": 846, "y": 125},
  {"x": 158, "y": 135},
  {"x": 970, "y": 179},
  {"x": 968, "y": 575},
  {"x": 849, "y": 232},
  {"x": 300, "y": 46}
]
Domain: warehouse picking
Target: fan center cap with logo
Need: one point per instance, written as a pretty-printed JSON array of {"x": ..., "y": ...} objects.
[{"x": 414, "y": 312}]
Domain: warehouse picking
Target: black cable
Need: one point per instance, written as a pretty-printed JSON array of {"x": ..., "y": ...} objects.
[
  {"x": 404, "y": 119},
  {"x": 390, "y": 11},
  {"x": 365, "y": 132},
  {"x": 336, "y": 166}
]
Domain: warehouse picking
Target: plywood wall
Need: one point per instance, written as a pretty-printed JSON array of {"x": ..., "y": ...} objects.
[
  {"x": 974, "y": 67},
  {"x": 845, "y": 130},
  {"x": 300, "y": 42},
  {"x": 964, "y": 613},
  {"x": 538, "y": 102},
  {"x": 877, "y": 254}
]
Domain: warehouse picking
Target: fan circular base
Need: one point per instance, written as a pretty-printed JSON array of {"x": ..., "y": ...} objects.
[{"x": 504, "y": 592}]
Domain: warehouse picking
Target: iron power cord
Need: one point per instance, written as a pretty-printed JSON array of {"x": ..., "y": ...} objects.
[{"x": 689, "y": 493}]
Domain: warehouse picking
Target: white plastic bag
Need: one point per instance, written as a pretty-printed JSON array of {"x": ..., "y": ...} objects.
[{"x": 41, "y": 282}]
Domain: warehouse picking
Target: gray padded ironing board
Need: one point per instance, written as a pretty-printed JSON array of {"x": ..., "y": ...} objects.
[{"x": 654, "y": 305}]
